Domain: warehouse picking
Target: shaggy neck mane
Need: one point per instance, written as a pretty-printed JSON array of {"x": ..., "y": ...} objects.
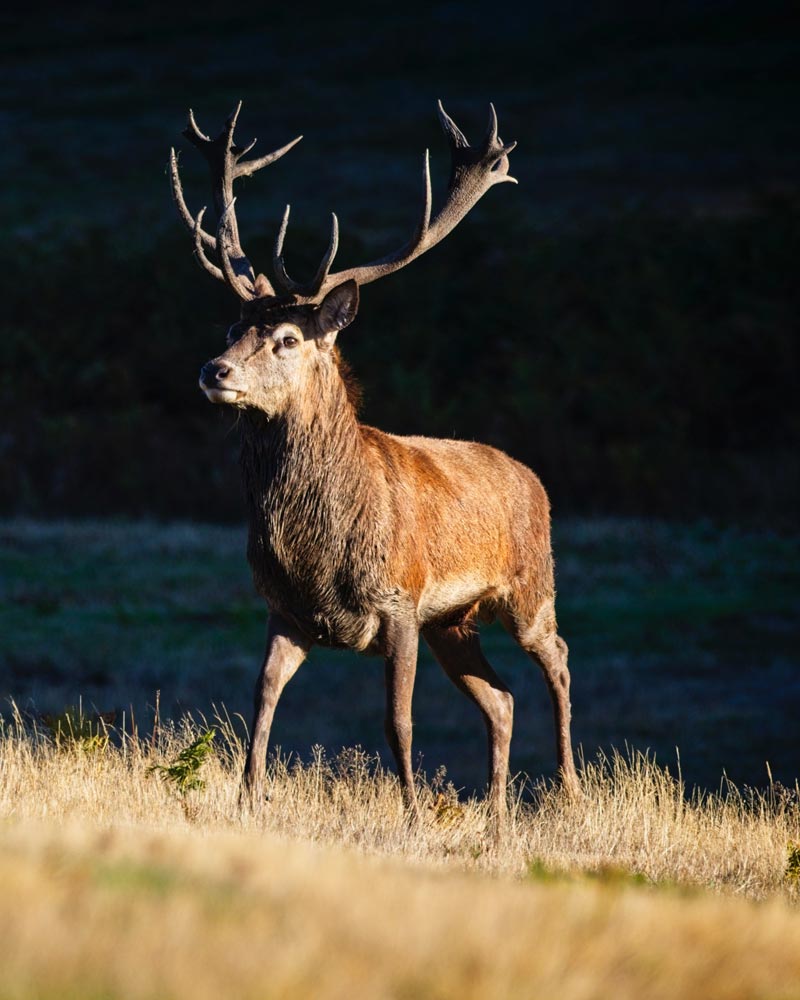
[{"x": 307, "y": 491}]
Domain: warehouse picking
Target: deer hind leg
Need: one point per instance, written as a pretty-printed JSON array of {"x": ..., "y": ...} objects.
[
  {"x": 544, "y": 645},
  {"x": 286, "y": 650},
  {"x": 462, "y": 659}
]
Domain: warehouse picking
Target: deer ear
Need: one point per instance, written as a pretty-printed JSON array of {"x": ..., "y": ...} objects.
[
  {"x": 337, "y": 310},
  {"x": 262, "y": 287}
]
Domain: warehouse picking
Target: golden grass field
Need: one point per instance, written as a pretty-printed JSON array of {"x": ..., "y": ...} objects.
[{"x": 116, "y": 884}]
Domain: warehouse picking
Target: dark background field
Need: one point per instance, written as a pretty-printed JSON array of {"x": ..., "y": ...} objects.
[
  {"x": 625, "y": 321},
  {"x": 681, "y": 636}
]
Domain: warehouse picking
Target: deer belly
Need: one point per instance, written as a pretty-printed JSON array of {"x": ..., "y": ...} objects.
[{"x": 453, "y": 598}]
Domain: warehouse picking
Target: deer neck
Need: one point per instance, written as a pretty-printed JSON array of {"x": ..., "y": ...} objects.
[{"x": 307, "y": 487}]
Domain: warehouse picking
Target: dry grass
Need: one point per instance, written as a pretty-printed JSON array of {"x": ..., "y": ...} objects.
[
  {"x": 134, "y": 913},
  {"x": 636, "y": 816},
  {"x": 117, "y": 885}
]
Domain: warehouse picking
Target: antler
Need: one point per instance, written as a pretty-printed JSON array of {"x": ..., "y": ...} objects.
[
  {"x": 227, "y": 163},
  {"x": 473, "y": 171}
]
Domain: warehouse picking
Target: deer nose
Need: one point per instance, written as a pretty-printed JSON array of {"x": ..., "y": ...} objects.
[{"x": 213, "y": 372}]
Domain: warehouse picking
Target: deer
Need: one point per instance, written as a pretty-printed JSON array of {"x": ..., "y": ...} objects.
[{"x": 358, "y": 538}]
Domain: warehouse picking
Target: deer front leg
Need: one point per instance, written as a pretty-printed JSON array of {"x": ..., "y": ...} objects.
[
  {"x": 286, "y": 650},
  {"x": 402, "y": 641}
]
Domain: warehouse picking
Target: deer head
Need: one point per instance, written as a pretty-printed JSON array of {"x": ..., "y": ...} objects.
[
  {"x": 275, "y": 349},
  {"x": 287, "y": 330}
]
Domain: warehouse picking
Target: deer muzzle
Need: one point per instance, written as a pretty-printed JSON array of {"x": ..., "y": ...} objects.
[{"x": 214, "y": 382}]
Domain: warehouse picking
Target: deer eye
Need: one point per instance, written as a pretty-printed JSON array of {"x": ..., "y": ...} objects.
[
  {"x": 289, "y": 341},
  {"x": 234, "y": 333}
]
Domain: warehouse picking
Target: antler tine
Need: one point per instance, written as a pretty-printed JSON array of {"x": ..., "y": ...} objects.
[
  {"x": 451, "y": 130},
  {"x": 473, "y": 171},
  {"x": 501, "y": 167},
  {"x": 492, "y": 137},
  {"x": 327, "y": 260},
  {"x": 250, "y": 166},
  {"x": 192, "y": 132},
  {"x": 199, "y": 252},
  {"x": 279, "y": 265},
  {"x": 180, "y": 201},
  {"x": 230, "y": 124},
  {"x": 237, "y": 152},
  {"x": 425, "y": 219}
]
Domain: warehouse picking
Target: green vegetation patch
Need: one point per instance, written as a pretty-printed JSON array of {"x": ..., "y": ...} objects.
[{"x": 183, "y": 773}]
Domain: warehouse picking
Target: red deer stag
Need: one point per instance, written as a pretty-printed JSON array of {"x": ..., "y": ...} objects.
[{"x": 357, "y": 538}]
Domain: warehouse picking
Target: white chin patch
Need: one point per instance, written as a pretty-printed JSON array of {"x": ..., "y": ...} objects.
[{"x": 223, "y": 395}]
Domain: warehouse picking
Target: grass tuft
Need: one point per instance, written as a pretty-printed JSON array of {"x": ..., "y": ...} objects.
[{"x": 73, "y": 729}]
